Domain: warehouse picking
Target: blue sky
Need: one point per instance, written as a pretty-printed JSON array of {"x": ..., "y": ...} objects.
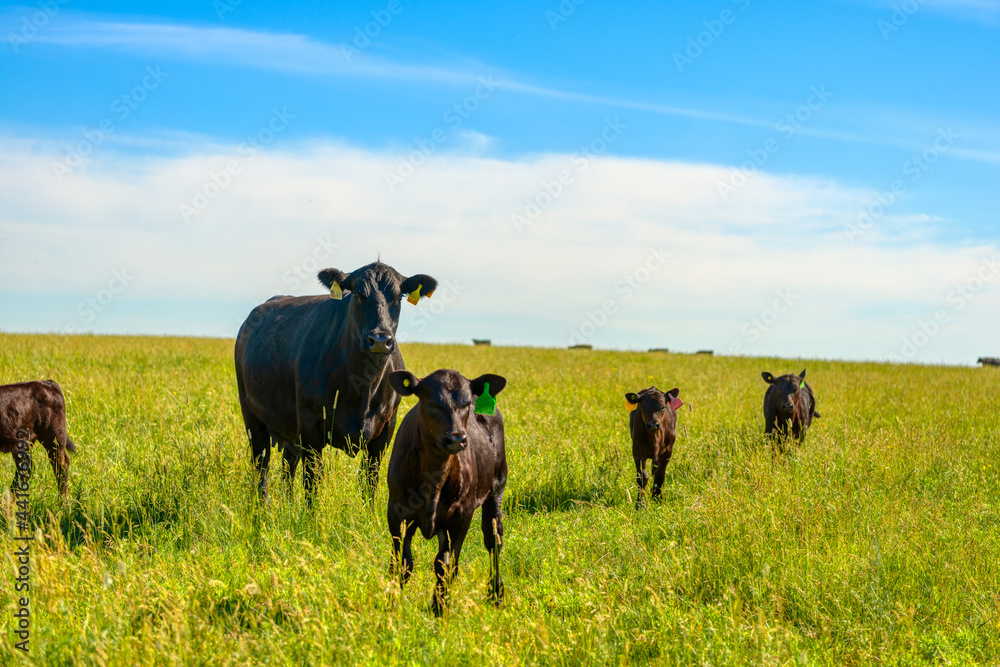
[{"x": 812, "y": 180}]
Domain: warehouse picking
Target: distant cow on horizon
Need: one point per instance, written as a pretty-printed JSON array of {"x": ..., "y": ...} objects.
[
  {"x": 36, "y": 412},
  {"x": 312, "y": 371},
  {"x": 988, "y": 361},
  {"x": 789, "y": 399}
]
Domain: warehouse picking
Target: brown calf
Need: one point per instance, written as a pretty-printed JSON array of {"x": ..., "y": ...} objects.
[
  {"x": 447, "y": 460},
  {"x": 652, "y": 422},
  {"x": 40, "y": 409},
  {"x": 788, "y": 400}
]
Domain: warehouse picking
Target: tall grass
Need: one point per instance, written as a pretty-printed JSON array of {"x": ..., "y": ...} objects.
[{"x": 877, "y": 541}]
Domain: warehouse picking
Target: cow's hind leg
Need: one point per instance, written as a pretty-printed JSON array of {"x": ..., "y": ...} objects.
[
  {"x": 312, "y": 471},
  {"x": 493, "y": 537},
  {"x": 59, "y": 458},
  {"x": 260, "y": 448},
  {"x": 291, "y": 454}
]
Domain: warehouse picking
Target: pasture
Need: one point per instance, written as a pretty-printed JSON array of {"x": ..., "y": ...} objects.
[{"x": 877, "y": 541}]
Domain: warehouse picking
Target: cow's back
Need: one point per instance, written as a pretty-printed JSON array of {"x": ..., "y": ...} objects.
[{"x": 270, "y": 346}]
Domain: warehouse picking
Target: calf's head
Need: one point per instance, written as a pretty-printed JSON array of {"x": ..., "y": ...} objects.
[
  {"x": 787, "y": 391},
  {"x": 374, "y": 293},
  {"x": 652, "y": 405},
  {"x": 445, "y": 404}
]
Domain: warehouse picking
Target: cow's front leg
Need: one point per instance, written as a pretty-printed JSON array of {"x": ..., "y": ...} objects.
[
  {"x": 374, "y": 450},
  {"x": 402, "y": 553},
  {"x": 446, "y": 563},
  {"x": 641, "y": 479}
]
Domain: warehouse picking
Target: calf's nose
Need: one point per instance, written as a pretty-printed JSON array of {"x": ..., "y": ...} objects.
[
  {"x": 380, "y": 343},
  {"x": 652, "y": 426},
  {"x": 455, "y": 441}
]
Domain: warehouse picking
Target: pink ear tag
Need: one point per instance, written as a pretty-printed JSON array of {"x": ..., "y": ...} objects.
[{"x": 675, "y": 403}]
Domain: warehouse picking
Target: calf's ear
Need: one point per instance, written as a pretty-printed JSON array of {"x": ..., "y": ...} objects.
[
  {"x": 336, "y": 281},
  {"x": 496, "y": 383},
  {"x": 675, "y": 403},
  {"x": 803, "y": 374},
  {"x": 631, "y": 401},
  {"x": 768, "y": 378},
  {"x": 403, "y": 383},
  {"x": 418, "y": 286}
]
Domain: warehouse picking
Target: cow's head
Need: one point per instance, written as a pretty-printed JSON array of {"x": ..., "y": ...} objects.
[
  {"x": 652, "y": 404},
  {"x": 787, "y": 390},
  {"x": 374, "y": 293},
  {"x": 445, "y": 403}
]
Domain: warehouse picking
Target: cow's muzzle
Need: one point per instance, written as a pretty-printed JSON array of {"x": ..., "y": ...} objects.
[
  {"x": 453, "y": 443},
  {"x": 652, "y": 427},
  {"x": 379, "y": 343}
]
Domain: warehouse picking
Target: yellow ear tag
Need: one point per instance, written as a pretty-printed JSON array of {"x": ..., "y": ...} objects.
[
  {"x": 336, "y": 292},
  {"x": 630, "y": 406},
  {"x": 414, "y": 295},
  {"x": 406, "y": 382}
]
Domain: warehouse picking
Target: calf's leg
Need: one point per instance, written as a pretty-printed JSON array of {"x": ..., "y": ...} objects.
[
  {"x": 641, "y": 478},
  {"x": 402, "y": 554},
  {"x": 446, "y": 562},
  {"x": 493, "y": 537}
]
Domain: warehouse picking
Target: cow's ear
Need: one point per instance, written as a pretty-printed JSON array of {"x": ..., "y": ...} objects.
[
  {"x": 418, "y": 286},
  {"x": 335, "y": 280},
  {"x": 496, "y": 383},
  {"x": 631, "y": 401},
  {"x": 674, "y": 393},
  {"x": 403, "y": 383},
  {"x": 803, "y": 374},
  {"x": 768, "y": 378}
]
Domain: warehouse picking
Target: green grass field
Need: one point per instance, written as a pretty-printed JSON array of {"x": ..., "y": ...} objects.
[{"x": 876, "y": 542}]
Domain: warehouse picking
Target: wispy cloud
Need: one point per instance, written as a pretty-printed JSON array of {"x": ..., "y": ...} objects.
[
  {"x": 302, "y": 55},
  {"x": 453, "y": 218}
]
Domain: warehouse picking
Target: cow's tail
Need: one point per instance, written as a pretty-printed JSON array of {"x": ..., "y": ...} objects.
[
  {"x": 816, "y": 415},
  {"x": 70, "y": 446}
]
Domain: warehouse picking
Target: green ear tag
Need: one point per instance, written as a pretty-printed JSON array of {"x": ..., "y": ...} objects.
[
  {"x": 486, "y": 404},
  {"x": 802, "y": 384}
]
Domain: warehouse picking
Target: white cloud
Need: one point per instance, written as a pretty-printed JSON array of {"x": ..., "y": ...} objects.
[{"x": 453, "y": 219}]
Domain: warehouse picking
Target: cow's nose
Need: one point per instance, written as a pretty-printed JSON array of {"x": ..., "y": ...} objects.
[
  {"x": 455, "y": 441},
  {"x": 652, "y": 426},
  {"x": 380, "y": 343}
]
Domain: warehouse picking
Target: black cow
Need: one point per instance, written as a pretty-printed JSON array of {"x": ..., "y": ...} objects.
[
  {"x": 448, "y": 460},
  {"x": 788, "y": 399},
  {"x": 988, "y": 361},
  {"x": 311, "y": 371}
]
